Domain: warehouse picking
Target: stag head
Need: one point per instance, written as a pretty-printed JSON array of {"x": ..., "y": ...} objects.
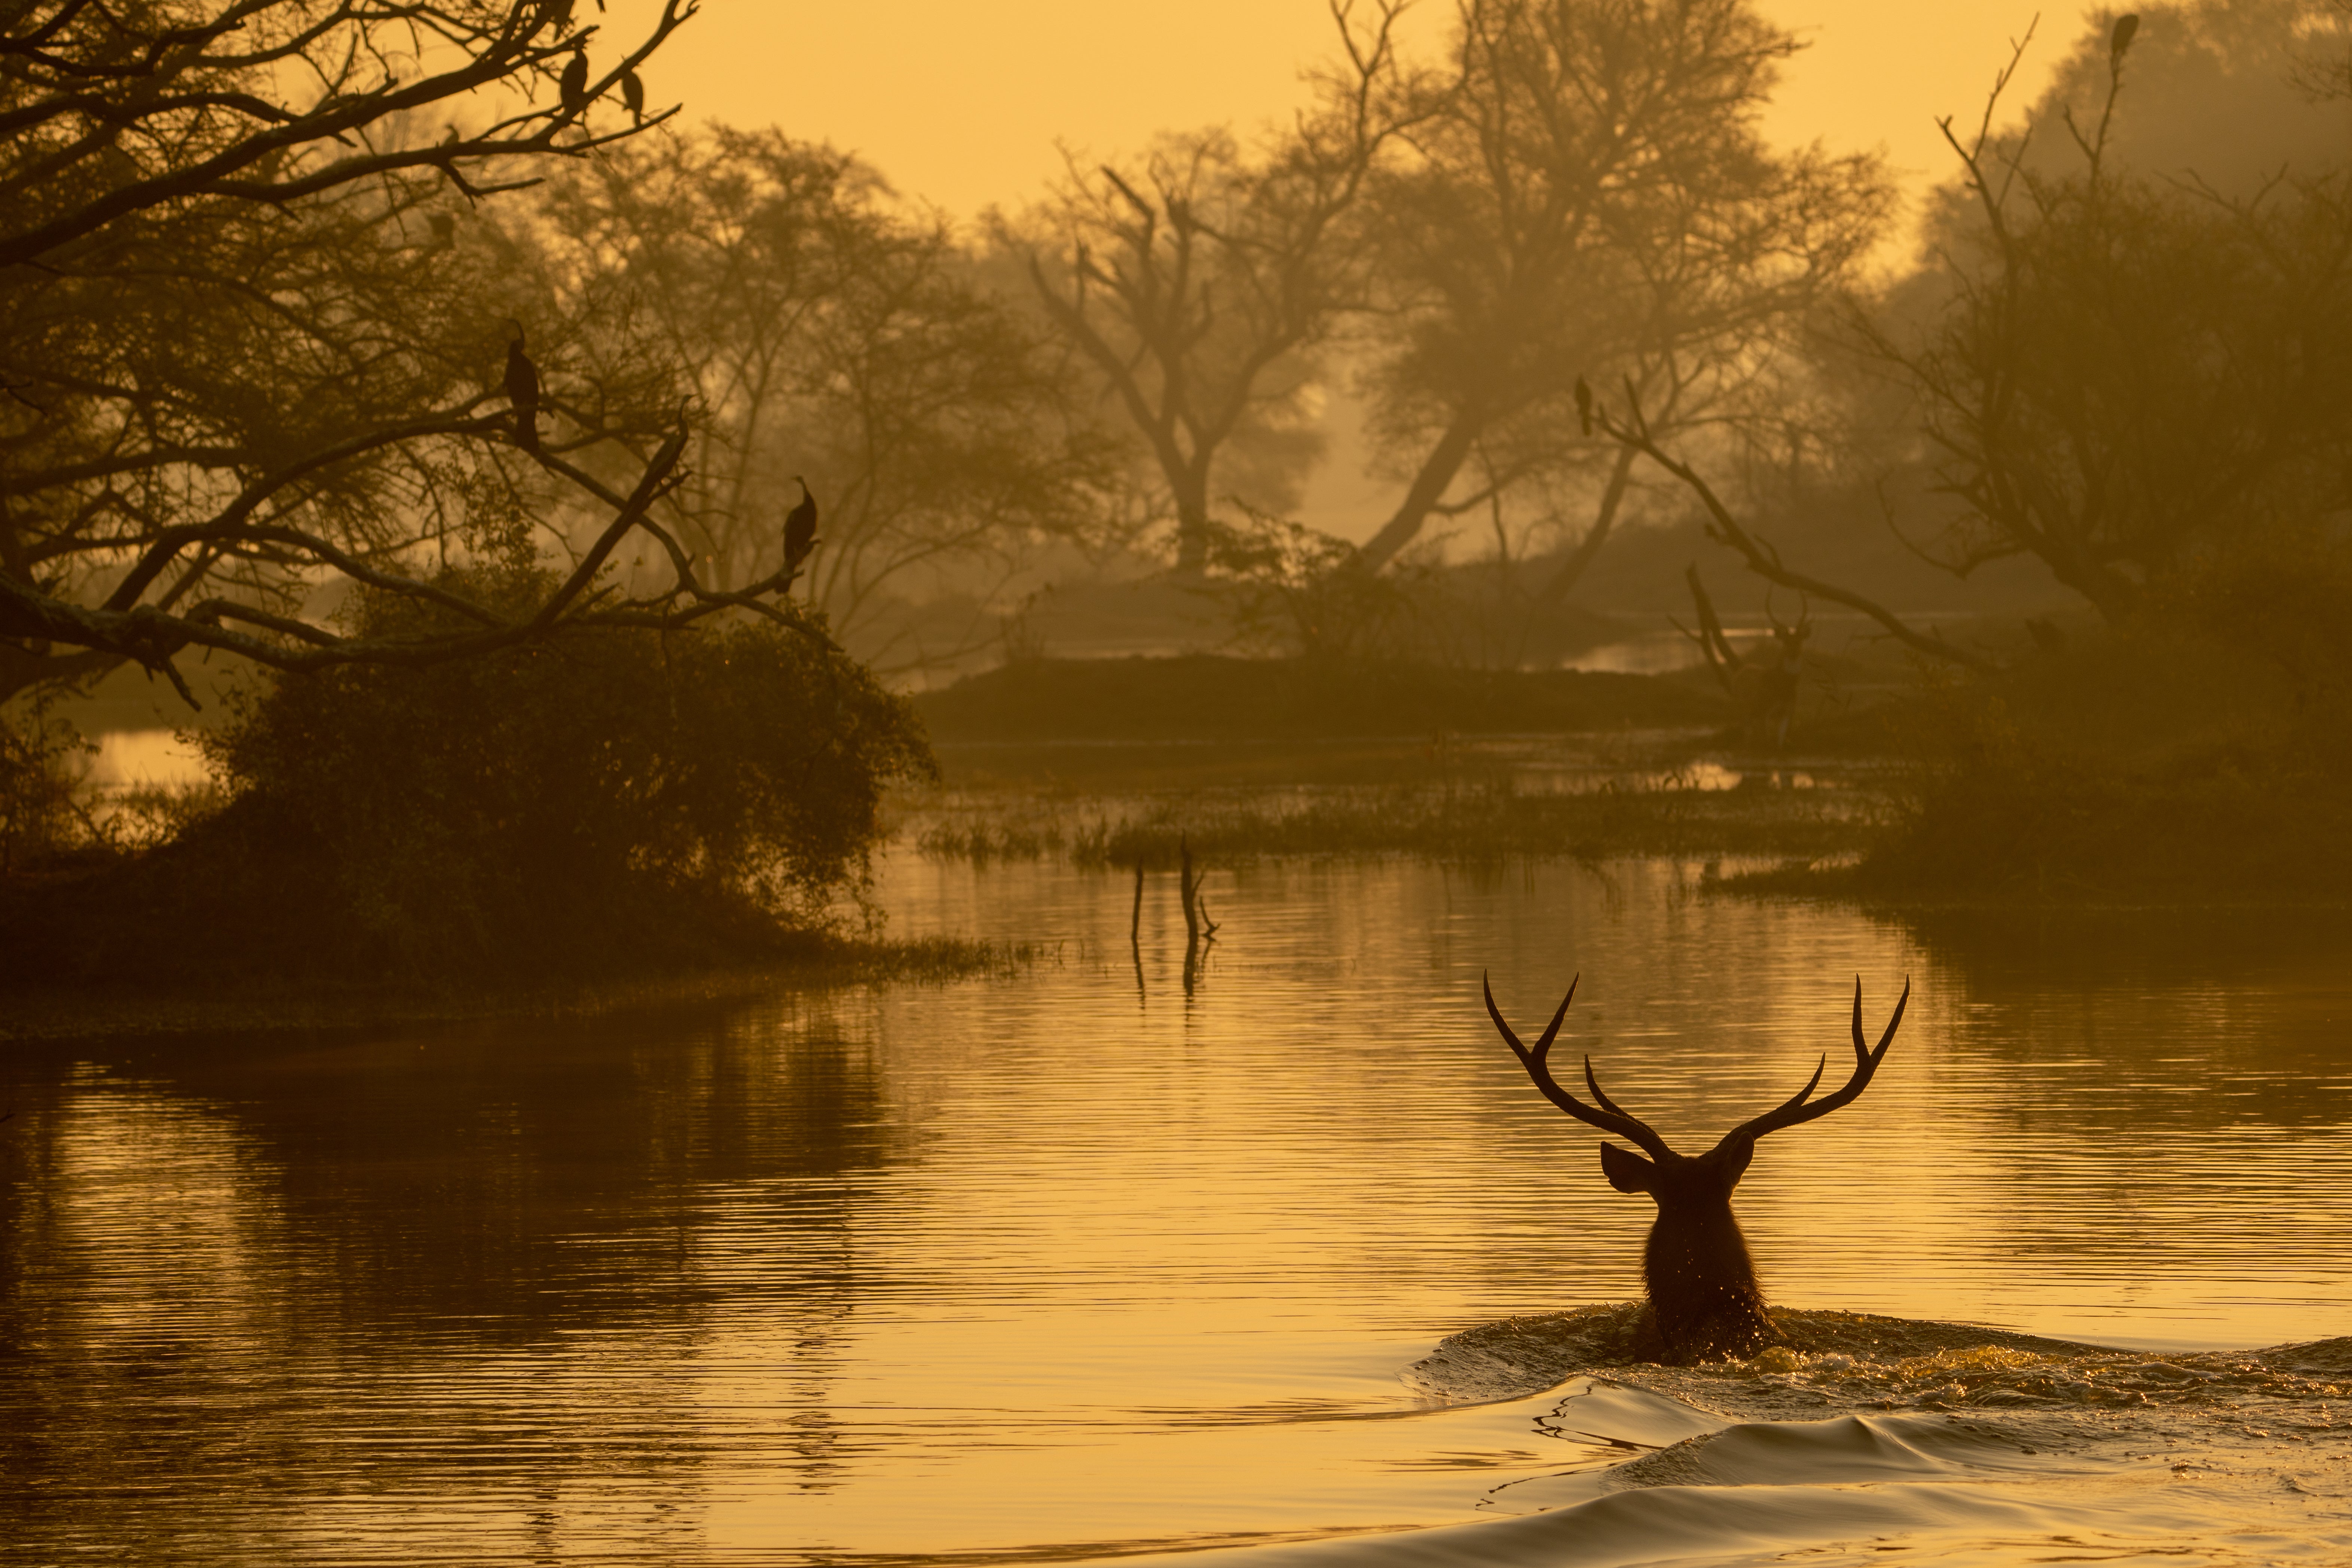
[{"x": 1701, "y": 1281}]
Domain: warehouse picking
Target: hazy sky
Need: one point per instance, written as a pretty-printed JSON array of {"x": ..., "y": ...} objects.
[{"x": 962, "y": 104}]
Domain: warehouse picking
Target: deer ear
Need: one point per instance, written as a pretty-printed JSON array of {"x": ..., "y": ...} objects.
[{"x": 1627, "y": 1172}]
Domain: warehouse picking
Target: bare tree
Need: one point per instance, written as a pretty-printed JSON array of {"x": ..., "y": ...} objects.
[
  {"x": 251, "y": 342},
  {"x": 1589, "y": 197},
  {"x": 1631, "y": 431},
  {"x": 1202, "y": 279}
]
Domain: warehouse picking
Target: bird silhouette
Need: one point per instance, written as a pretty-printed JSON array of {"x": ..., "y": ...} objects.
[
  {"x": 633, "y": 93},
  {"x": 1584, "y": 405},
  {"x": 522, "y": 390},
  {"x": 799, "y": 528},
  {"x": 574, "y": 83},
  {"x": 2126, "y": 26}
]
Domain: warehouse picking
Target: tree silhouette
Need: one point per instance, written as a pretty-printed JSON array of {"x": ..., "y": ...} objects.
[
  {"x": 2122, "y": 374},
  {"x": 1588, "y": 197},
  {"x": 251, "y": 337},
  {"x": 823, "y": 328},
  {"x": 1200, "y": 281}
]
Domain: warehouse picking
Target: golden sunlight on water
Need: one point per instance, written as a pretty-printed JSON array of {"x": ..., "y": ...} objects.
[{"x": 1083, "y": 1260}]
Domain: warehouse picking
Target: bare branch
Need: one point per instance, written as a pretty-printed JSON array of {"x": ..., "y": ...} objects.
[{"x": 1761, "y": 557}]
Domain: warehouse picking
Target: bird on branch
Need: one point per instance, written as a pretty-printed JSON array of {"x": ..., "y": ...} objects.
[
  {"x": 799, "y": 528},
  {"x": 633, "y": 93},
  {"x": 1584, "y": 405},
  {"x": 2117, "y": 42},
  {"x": 522, "y": 390},
  {"x": 575, "y": 84}
]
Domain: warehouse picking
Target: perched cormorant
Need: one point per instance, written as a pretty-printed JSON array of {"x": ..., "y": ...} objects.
[
  {"x": 574, "y": 85},
  {"x": 799, "y": 527},
  {"x": 522, "y": 391},
  {"x": 1584, "y": 405},
  {"x": 633, "y": 93},
  {"x": 2126, "y": 26}
]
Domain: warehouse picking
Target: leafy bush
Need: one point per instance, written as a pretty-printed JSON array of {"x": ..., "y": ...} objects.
[
  {"x": 615, "y": 798},
  {"x": 43, "y": 761},
  {"x": 2197, "y": 752}
]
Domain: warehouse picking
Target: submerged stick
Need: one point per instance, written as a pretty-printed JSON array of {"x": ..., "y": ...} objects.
[{"x": 1188, "y": 889}]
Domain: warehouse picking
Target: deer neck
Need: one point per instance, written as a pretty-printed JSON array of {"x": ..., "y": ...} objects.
[
  {"x": 1702, "y": 1283},
  {"x": 1696, "y": 1246}
]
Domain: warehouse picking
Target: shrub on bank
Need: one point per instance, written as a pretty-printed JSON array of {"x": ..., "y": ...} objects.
[
  {"x": 42, "y": 766},
  {"x": 624, "y": 798},
  {"x": 2200, "y": 751}
]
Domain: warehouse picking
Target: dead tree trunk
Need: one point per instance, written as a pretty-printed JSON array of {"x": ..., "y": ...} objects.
[{"x": 1197, "y": 923}]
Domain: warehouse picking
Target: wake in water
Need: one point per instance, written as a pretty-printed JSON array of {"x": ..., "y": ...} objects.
[{"x": 1868, "y": 1438}]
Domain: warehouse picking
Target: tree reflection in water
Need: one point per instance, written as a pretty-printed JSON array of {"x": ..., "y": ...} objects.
[{"x": 414, "y": 1268}]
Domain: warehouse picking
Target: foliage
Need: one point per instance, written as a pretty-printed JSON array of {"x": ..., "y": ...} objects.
[
  {"x": 52, "y": 818},
  {"x": 253, "y": 339},
  {"x": 2323, "y": 61},
  {"x": 827, "y": 331},
  {"x": 612, "y": 801},
  {"x": 1589, "y": 197},
  {"x": 2199, "y": 750},
  {"x": 2126, "y": 372},
  {"x": 571, "y": 798},
  {"x": 43, "y": 761},
  {"x": 1294, "y": 591}
]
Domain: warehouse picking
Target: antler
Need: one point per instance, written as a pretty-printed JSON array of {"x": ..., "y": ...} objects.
[
  {"x": 1865, "y": 1063},
  {"x": 1609, "y": 1118}
]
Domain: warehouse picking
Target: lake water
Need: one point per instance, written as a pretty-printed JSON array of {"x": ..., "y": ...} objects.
[{"x": 1123, "y": 1256}]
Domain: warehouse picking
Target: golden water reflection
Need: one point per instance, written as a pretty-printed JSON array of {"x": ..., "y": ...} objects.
[{"x": 1062, "y": 1262}]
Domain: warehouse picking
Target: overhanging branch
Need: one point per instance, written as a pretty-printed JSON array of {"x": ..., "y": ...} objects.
[{"x": 1759, "y": 556}]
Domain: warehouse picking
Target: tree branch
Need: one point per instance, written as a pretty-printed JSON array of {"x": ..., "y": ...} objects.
[{"x": 1759, "y": 556}]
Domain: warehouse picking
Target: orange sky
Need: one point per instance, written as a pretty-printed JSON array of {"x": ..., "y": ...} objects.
[{"x": 962, "y": 104}]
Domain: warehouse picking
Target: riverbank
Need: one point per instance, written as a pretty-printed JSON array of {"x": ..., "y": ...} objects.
[
  {"x": 1759, "y": 815},
  {"x": 2119, "y": 771},
  {"x": 1205, "y": 697},
  {"x": 1119, "y": 761}
]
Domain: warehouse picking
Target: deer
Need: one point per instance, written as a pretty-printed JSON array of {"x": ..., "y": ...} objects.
[{"x": 1695, "y": 1268}]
